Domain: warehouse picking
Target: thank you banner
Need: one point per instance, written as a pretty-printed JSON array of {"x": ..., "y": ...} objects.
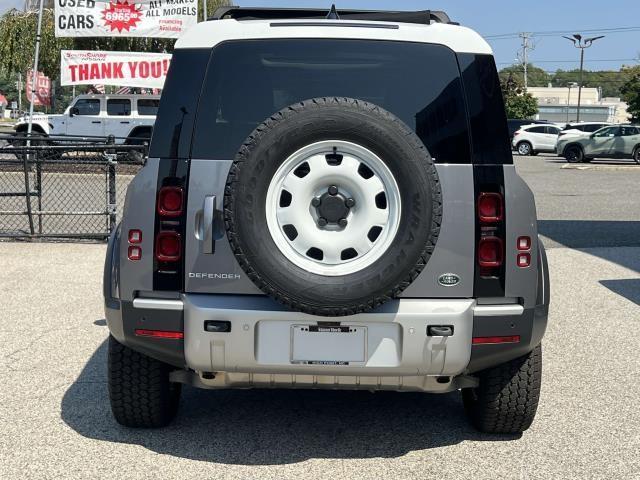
[
  {"x": 125, "y": 18},
  {"x": 127, "y": 69}
]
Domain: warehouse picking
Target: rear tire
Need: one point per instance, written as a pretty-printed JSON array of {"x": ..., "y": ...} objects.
[
  {"x": 636, "y": 155},
  {"x": 574, "y": 154},
  {"x": 507, "y": 397},
  {"x": 140, "y": 392}
]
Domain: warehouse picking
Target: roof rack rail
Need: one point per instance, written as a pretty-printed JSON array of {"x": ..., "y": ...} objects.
[{"x": 242, "y": 13}]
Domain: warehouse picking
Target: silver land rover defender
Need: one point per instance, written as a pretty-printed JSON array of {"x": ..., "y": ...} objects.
[{"x": 330, "y": 202}]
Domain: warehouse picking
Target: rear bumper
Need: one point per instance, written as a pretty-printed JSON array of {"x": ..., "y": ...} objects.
[
  {"x": 401, "y": 352},
  {"x": 396, "y": 338}
]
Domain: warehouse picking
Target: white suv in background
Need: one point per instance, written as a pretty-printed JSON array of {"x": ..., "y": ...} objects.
[
  {"x": 130, "y": 118},
  {"x": 532, "y": 139},
  {"x": 582, "y": 128}
]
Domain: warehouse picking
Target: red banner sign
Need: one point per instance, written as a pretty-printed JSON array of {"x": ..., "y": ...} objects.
[
  {"x": 42, "y": 89},
  {"x": 129, "y": 69}
]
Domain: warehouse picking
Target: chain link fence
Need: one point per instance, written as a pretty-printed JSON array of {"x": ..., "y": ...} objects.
[{"x": 64, "y": 187}]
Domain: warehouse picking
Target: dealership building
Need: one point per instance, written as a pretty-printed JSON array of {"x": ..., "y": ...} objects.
[{"x": 560, "y": 105}]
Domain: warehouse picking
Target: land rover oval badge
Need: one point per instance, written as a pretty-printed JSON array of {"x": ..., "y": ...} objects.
[{"x": 448, "y": 279}]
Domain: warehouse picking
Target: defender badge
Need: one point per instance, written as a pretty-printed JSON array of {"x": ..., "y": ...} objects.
[{"x": 448, "y": 279}]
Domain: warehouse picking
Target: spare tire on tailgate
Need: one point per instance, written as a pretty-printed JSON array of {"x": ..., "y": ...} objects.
[{"x": 333, "y": 206}]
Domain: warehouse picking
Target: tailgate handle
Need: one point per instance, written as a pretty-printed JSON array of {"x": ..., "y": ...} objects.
[
  {"x": 209, "y": 209},
  {"x": 440, "y": 330}
]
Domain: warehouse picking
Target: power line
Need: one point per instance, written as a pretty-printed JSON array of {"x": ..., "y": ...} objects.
[
  {"x": 577, "y": 61},
  {"x": 547, "y": 33}
]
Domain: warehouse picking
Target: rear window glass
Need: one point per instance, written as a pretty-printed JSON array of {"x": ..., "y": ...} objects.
[
  {"x": 119, "y": 107},
  {"x": 489, "y": 132},
  {"x": 250, "y": 80},
  {"x": 148, "y": 106},
  {"x": 536, "y": 129},
  {"x": 177, "y": 112}
]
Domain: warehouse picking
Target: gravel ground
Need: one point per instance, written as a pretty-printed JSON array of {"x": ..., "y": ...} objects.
[{"x": 57, "y": 424}]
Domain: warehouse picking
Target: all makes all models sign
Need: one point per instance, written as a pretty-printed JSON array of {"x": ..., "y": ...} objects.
[
  {"x": 125, "y": 18},
  {"x": 128, "y": 69}
]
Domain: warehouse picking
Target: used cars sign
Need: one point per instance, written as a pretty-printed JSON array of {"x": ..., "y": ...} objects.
[{"x": 125, "y": 18}]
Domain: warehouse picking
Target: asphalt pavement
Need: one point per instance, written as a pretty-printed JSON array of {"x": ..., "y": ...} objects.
[{"x": 56, "y": 421}]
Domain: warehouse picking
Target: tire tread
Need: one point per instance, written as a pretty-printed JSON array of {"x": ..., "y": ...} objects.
[
  {"x": 140, "y": 392},
  {"x": 507, "y": 397}
]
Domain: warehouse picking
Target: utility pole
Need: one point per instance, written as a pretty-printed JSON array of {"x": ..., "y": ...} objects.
[
  {"x": 35, "y": 73},
  {"x": 524, "y": 56},
  {"x": 204, "y": 10},
  {"x": 581, "y": 43},
  {"x": 20, "y": 92}
]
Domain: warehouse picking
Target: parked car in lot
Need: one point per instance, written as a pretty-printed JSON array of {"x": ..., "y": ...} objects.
[
  {"x": 618, "y": 141},
  {"x": 582, "y": 128},
  {"x": 130, "y": 118},
  {"x": 328, "y": 203},
  {"x": 533, "y": 139},
  {"x": 514, "y": 124}
]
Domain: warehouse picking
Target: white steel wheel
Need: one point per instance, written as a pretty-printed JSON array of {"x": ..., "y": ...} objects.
[{"x": 333, "y": 208}]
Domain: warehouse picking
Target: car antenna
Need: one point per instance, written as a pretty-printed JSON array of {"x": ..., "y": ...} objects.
[{"x": 333, "y": 14}]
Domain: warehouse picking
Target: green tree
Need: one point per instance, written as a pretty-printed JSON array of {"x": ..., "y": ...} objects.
[
  {"x": 8, "y": 87},
  {"x": 630, "y": 91},
  {"x": 536, "y": 76},
  {"x": 610, "y": 81},
  {"x": 17, "y": 31},
  {"x": 517, "y": 102}
]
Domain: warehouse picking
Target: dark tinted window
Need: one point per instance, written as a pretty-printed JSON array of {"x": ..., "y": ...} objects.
[
  {"x": 628, "y": 131},
  {"x": 489, "y": 133},
  {"x": 119, "y": 107},
  {"x": 176, "y": 116},
  {"x": 536, "y": 130},
  {"x": 87, "y": 106},
  {"x": 250, "y": 80},
  {"x": 591, "y": 128},
  {"x": 148, "y": 106},
  {"x": 553, "y": 130}
]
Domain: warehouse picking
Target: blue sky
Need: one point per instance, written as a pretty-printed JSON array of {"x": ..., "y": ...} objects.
[
  {"x": 496, "y": 17},
  {"x": 492, "y": 17}
]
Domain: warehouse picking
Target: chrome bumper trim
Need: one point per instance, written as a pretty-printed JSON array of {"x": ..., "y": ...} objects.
[
  {"x": 158, "y": 304},
  {"x": 497, "y": 310}
]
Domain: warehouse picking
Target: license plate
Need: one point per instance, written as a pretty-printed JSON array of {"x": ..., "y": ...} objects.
[{"x": 328, "y": 345}]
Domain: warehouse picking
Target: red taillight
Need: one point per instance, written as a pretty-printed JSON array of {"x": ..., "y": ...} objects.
[
  {"x": 495, "y": 340},
  {"x": 516, "y": 134},
  {"x": 168, "y": 247},
  {"x": 170, "y": 201},
  {"x": 135, "y": 236},
  {"x": 490, "y": 207},
  {"x": 159, "y": 334},
  {"x": 524, "y": 244},
  {"x": 134, "y": 253},
  {"x": 490, "y": 252},
  {"x": 524, "y": 260}
]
